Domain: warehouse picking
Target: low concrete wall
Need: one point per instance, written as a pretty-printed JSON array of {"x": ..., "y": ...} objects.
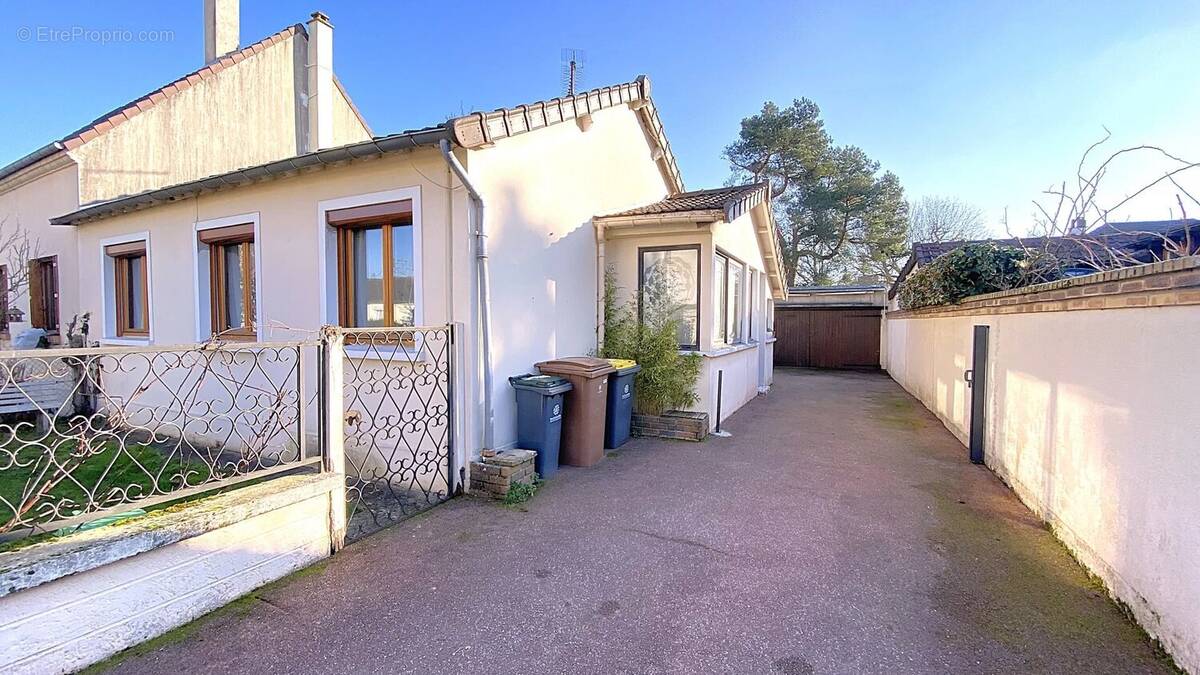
[
  {"x": 1091, "y": 386},
  {"x": 71, "y": 602},
  {"x": 740, "y": 381}
]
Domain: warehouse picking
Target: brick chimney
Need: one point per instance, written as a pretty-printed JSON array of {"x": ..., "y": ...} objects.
[
  {"x": 320, "y": 82},
  {"x": 221, "y": 28}
]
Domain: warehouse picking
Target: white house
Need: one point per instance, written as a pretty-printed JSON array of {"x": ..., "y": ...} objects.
[
  {"x": 556, "y": 190},
  {"x": 287, "y": 102}
]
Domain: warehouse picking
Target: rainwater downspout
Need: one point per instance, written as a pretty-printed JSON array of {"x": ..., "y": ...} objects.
[
  {"x": 485, "y": 311},
  {"x": 601, "y": 273}
]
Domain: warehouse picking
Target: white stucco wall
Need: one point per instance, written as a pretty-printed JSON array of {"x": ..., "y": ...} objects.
[
  {"x": 1089, "y": 422},
  {"x": 29, "y": 205},
  {"x": 243, "y": 116},
  {"x": 291, "y": 296},
  {"x": 746, "y": 367},
  {"x": 542, "y": 189},
  {"x": 71, "y": 622},
  {"x": 296, "y": 283}
]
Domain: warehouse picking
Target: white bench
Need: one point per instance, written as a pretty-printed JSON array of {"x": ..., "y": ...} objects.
[{"x": 45, "y": 396}]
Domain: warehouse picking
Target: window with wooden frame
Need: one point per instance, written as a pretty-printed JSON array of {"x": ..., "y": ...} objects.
[
  {"x": 376, "y": 265},
  {"x": 131, "y": 291},
  {"x": 43, "y": 294},
  {"x": 233, "y": 307}
]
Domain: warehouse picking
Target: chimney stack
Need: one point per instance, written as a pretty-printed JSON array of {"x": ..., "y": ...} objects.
[
  {"x": 320, "y": 82},
  {"x": 221, "y": 29}
]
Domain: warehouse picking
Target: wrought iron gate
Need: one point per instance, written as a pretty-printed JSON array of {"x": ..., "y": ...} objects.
[{"x": 396, "y": 415}]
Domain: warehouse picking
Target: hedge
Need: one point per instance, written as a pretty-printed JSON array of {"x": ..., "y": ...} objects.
[{"x": 974, "y": 269}]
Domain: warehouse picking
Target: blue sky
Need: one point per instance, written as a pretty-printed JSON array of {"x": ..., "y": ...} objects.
[{"x": 990, "y": 102}]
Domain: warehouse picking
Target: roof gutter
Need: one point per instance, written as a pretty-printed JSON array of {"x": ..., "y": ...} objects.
[
  {"x": 483, "y": 286},
  {"x": 32, "y": 158}
]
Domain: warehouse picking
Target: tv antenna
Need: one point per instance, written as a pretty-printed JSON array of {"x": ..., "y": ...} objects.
[{"x": 573, "y": 62}]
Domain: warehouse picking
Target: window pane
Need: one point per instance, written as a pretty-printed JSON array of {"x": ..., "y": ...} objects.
[
  {"x": 403, "y": 298},
  {"x": 233, "y": 286},
  {"x": 367, "y": 252},
  {"x": 734, "y": 302},
  {"x": 137, "y": 292},
  {"x": 670, "y": 290},
  {"x": 720, "y": 266}
]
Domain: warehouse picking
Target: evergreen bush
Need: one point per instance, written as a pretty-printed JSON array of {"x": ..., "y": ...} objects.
[
  {"x": 667, "y": 380},
  {"x": 975, "y": 269}
]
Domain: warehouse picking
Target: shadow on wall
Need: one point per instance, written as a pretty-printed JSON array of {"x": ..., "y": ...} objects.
[
  {"x": 543, "y": 290},
  {"x": 1088, "y": 422}
]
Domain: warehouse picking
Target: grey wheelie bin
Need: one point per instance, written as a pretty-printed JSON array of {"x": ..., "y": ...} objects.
[
  {"x": 620, "y": 402},
  {"x": 539, "y": 417}
]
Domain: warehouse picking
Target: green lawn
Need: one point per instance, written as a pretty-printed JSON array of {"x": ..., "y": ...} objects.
[{"x": 136, "y": 468}]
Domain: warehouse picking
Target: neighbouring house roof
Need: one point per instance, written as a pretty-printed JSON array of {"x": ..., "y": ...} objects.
[
  {"x": 835, "y": 297},
  {"x": 128, "y": 111},
  {"x": 1064, "y": 248},
  {"x": 1160, "y": 227},
  {"x": 1081, "y": 252},
  {"x": 457, "y": 130},
  {"x": 731, "y": 201},
  {"x": 834, "y": 290}
]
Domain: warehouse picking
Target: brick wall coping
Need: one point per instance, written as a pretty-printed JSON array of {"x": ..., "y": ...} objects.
[{"x": 1161, "y": 284}]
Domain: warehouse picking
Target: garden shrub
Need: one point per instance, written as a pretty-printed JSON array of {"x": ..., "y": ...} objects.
[
  {"x": 975, "y": 269},
  {"x": 667, "y": 380}
]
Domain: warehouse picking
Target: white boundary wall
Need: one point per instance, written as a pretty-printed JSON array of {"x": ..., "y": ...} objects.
[
  {"x": 1090, "y": 420},
  {"x": 133, "y": 582}
]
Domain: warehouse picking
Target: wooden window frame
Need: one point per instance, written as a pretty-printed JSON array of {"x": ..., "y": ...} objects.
[
  {"x": 217, "y": 240},
  {"x": 642, "y": 250},
  {"x": 345, "y": 230},
  {"x": 123, "y": 255}
]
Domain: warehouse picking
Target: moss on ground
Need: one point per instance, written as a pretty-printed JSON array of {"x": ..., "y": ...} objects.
[
  {"x": 897, "y": 411},
  {"x": 1008, "y": 577}
]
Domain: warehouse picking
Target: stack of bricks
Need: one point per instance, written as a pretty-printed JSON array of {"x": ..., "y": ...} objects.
[
  {"x": 677, "y": 424},
  {"x": 492, "y": 476}
]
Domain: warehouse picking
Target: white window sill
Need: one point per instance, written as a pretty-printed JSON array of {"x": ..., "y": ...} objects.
[
  {"x": 722, "y": 350},
  {"x": 124, "y": 342}
]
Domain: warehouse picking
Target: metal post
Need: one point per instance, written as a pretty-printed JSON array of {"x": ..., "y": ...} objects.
[
  {"x": 332, "y": 429},
  {"x": 977, "y": 381},
  {"x": 720, "y": 382},
  {"x": 301, "y": 407},
  {"x": 451, "y": 409}
]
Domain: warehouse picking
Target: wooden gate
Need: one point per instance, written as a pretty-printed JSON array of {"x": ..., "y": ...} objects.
[{"x": 835, "y": 337}]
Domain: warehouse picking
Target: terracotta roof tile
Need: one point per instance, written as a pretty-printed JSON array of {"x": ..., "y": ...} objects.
[{"x": 718, "y": 199}]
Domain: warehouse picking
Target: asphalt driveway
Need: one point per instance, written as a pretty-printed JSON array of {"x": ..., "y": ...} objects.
[{"x": 841, "y": 529}]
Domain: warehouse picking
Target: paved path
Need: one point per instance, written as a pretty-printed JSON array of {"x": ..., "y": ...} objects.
[{"x": 839, "y": 530}]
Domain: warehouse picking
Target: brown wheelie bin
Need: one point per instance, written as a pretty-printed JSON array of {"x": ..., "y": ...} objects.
[{"x": 584, "y": 407}]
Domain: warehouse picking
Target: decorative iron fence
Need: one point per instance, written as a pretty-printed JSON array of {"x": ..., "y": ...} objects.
[
  {"x": 397, "y": 399},
  {"x": 89, "y": 433}
]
